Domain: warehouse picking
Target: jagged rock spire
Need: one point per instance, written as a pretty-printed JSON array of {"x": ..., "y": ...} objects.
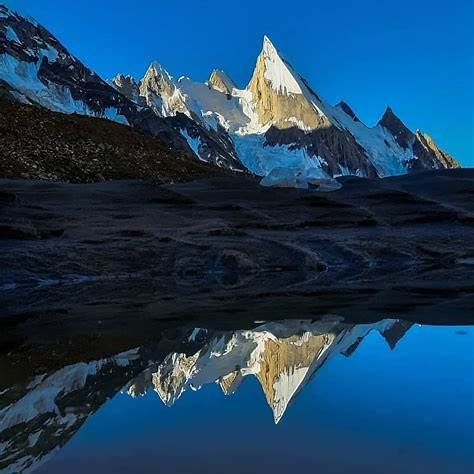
[
  {"x": 403, "y": 135},
  {"x": 281, "y": 97},
  {"x": 222, "y": 82},
  {"x": 127, "y": 86}
]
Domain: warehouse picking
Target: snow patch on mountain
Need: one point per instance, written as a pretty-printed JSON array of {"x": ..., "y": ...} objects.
[
  {"x": 194, "y": 143},
  {"x": 12, "y": 36},
  {"x": 23, "y": 76},
  {"x": 385, "y": 153},
  {"x": 204, "y": 101}
]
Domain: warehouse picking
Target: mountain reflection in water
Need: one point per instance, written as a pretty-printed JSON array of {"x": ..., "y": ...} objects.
[{"x": 41, "y": 415}]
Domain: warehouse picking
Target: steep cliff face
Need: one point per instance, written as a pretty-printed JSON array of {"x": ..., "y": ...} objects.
[
  {"x": 425, "y": 154},
  {"x": 402, "y": 135}
]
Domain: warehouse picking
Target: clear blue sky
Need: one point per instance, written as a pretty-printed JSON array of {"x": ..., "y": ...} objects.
[{"x": 414, "y": 55}]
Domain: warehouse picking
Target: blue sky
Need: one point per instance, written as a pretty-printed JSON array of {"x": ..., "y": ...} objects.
[{"x": 414, "y": 55}]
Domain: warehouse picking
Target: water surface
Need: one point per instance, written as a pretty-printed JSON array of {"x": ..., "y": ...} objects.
[{"x": 391, "y": 397}]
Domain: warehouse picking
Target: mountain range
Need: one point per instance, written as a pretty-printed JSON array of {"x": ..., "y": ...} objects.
[{"x": 277, "y": 127}]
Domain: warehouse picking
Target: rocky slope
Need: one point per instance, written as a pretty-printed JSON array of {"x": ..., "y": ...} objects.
[
  {"x": 36, "y": 143},
  {"x": 277, "y": 127}
]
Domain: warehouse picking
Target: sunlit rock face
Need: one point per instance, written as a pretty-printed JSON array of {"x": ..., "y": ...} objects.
[
  {"x": 429, "y": 155},
  {"x": 127, "y": 86},
  {"x": 280, "y": 96},
  {"x": 222, "y": 82},
  {"x": 160, "y": 92}
]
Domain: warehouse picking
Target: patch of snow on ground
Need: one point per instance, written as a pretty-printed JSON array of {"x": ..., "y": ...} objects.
[{"x": 296, "y": 178}]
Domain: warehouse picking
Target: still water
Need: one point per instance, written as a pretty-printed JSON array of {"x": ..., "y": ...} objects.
[{"x": 290, "y": 396}]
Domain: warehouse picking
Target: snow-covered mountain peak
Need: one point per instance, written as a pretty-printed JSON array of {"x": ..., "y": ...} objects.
[
  {"x": 157, "y": 74},
  {"x": 160, "y": 91},
  {"x": 277, "y": 71},
  {"x": 122, "y": 78},
  {"x": 268, "y": 46}
]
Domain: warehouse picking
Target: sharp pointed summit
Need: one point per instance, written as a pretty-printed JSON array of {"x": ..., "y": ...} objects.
[
  {"x": 277, "y": 71},
  {"x": 403, "y": 136},
  {"x": 127, "y": 86},
  {"x": 268, "y": 47}
]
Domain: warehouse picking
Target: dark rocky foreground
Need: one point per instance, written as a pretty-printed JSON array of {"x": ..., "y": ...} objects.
[{"x": 225, "y": 248}]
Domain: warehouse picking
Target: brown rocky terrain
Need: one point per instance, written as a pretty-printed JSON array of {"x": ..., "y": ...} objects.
[{"x": 36, "y": 143}]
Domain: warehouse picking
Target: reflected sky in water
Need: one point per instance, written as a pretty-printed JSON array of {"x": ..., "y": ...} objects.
[{"x": 391, "y": 397}]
